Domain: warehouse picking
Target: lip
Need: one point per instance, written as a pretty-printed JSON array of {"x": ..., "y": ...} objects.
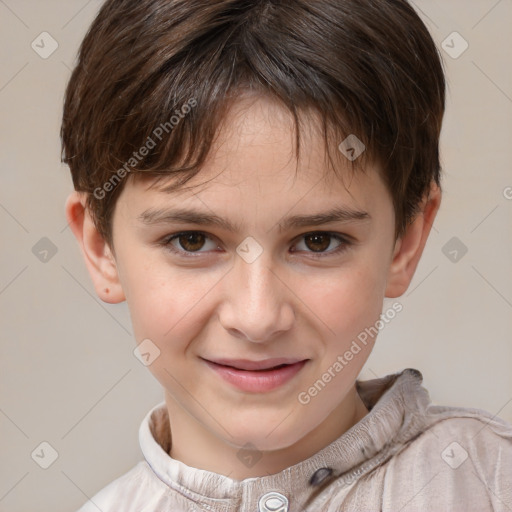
[
  {"x": 247, "y": 364},
  {"x": 257, "y": 376}
]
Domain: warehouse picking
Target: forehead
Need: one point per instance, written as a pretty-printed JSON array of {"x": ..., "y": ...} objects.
[{"x": 254, "y": 158}]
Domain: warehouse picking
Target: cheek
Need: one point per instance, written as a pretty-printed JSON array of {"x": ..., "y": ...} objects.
[
  {"x": 168, "y": 308},
  {"x": 166, "y": 304},
  {"x": 348, "y": 301}
]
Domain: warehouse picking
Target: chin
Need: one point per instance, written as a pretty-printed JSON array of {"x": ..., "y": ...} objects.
[
  {"x": 263, "y": 442},
  {"x": 267, "y": 434}
]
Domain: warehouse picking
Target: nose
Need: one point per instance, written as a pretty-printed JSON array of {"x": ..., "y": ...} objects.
[{"x": 258, "y": 304}]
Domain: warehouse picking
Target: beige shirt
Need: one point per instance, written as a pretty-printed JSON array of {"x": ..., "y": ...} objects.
[{"x": 405, "y": 455}]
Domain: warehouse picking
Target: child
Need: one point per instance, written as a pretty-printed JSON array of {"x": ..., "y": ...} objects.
[{"x": 215, "y": 148}]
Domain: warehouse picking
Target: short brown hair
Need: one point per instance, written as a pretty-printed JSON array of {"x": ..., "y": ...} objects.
[{"x": 367, "y": 67}]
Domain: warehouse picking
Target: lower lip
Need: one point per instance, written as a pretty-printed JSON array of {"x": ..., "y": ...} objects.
[{"x": 257, "y": 381}]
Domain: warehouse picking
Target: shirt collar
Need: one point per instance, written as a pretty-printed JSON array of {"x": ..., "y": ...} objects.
[{"x": 391, "y": 400}]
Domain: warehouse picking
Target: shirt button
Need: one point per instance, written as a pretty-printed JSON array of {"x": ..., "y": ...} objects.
[
  {"x": 273, "y": 502},
  {"x": 320, "y": 475}
]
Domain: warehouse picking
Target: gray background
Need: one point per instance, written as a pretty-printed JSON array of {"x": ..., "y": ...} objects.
[{"x": 68, "y": 373}]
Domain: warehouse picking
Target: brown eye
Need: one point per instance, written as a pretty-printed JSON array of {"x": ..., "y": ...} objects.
[
  {"x": 191, "y": 241},
  {"x": 318, "y": 242}
]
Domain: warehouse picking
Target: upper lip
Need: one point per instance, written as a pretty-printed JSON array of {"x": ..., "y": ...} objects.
[{"x": 247, "y": 364}]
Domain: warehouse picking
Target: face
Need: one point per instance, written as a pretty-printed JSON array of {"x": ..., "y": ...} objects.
[{"x": 269, "y": 283}]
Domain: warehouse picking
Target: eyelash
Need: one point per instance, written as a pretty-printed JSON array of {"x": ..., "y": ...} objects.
[{"x": 344, "y": 244}]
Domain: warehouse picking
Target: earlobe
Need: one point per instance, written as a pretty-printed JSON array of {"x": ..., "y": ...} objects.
[
  {"x": 409, "y": 248},
  {"x": 99, "y": 260}
]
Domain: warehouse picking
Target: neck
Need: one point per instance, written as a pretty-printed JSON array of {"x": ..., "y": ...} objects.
[{"x": 197, "y": 447}]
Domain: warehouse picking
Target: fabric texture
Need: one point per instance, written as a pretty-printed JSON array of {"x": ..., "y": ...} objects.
[{"x": 405, "y": 455}]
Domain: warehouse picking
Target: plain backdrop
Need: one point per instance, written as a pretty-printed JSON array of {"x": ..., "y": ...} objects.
[{"x": 68, "y": 374}]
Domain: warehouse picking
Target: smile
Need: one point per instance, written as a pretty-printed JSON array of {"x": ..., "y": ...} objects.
[{"x": 257, "y": 376}]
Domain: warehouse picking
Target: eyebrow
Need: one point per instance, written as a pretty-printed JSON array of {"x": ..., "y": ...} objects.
[{"x": 153, "y": 216}]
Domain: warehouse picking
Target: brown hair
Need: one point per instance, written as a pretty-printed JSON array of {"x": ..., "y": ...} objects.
[{"x": 367, "y": 67}]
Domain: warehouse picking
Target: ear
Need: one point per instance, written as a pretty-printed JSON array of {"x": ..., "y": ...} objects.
[
  {"x": 409, "y": 247},
  {"x": 97, "y": 254}
]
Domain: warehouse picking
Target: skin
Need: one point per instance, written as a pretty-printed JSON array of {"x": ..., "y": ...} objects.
[{"x": 286, "y": 303}]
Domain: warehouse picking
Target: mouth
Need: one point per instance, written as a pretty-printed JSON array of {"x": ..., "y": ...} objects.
[
  {"x": 248, "y": 365},
  {"x": 257, "y": 376}
]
